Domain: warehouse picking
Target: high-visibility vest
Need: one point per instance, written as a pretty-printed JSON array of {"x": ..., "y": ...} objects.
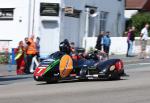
[
  {"x": 19, "y": 53},
  {"x": 31, "y": 49}
]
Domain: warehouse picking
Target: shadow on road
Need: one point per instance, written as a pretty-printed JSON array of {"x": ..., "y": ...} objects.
[
  {"x": 75, "y": 81},
  {"x": 13, "y": 78}
]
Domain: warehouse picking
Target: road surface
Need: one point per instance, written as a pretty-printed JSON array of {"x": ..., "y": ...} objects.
[{"x": 132, "y": 89}]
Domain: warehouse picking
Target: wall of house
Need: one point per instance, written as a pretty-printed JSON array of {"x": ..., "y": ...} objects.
[
  {"x": 27, "y": 21},
  {"x": 114, "y": 23},
  {"x": 52, "y": 30},
  {"x": 72, "y": 28},
  {"x": 17, "y": 28},
  {"x": 47, "y": 28},
  {"x": 114, "y": 8}
]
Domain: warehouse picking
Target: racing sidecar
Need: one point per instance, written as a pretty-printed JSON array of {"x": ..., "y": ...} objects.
[{"x": 61, "y": 66}]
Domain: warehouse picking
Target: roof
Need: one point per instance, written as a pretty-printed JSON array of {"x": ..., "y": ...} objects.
[{"x": 138, "y": 5}]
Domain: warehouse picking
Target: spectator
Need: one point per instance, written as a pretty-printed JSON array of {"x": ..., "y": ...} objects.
[
  {"x": 130, "y": 40},
  {"x": 38, "y": 47},
  {"x": 30, "y": 52},
  {"x": 36, "y": 58},
  {"x": 25, "y": 42},
  {"x": 72, "y": 45},
  {"x": 20, "y": 58},
  {"x": 106, "y": 42},
  {"x": 25, "y": 47},
  {"x": 99, "y": 41},
  {"x": 144, "y": 38}
]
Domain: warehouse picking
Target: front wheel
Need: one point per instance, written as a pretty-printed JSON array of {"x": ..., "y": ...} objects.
[
  {"x": 83, "y": 73},
  {"x": 51, "y": 81}
]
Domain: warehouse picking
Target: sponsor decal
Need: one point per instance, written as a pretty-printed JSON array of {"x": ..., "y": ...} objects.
[{"x": 66, "y": 66}]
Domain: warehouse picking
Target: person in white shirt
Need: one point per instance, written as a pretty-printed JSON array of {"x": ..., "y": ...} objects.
[{"x": 144, "y": 38}]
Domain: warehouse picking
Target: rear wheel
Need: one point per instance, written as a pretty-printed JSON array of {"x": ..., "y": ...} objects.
[{"x": 114, "y": 75}]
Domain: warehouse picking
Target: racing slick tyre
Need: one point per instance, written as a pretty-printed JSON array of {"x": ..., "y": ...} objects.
[
  {"x": 114, "y": 75},
  {"x": 51, "y": 81},
  {"x": 83, "y": 73}
]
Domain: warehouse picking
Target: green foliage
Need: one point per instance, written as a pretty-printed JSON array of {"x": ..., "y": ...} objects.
[
  {"x": 4, "y": 58},
  {"x": 139, "y": 20}
]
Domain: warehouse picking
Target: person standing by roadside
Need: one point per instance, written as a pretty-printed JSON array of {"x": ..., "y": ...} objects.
[
  {"x": 130, "y": 41},
  {"x": 38, "y": 48},
  {"x": 36, "y": 58},
  {"x": 25, "y": 47},
  {"x": 143, "y": 39},
  {"x": 25, "y": 42},
  {"x": 20, "y": 59},
  {"x": 73, "y": 48},
  {"x": 99, "y": 41},
  {"x": 30, "y": 52},
  {"x": 106, "y": 42}
]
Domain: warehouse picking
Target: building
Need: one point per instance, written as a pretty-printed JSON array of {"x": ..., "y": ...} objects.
[
  {"x": 55, "y": 20},
  {"x": 134, "y": 6}
]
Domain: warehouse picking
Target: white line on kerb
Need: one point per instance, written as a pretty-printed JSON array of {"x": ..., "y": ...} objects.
[
  {"x": 144, "y": 63},
  {"x": 139, "y": 64}
]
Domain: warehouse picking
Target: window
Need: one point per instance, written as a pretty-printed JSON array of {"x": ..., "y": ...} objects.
[
  {"x": 6, "y": 13},
  {"x": 103, "y": 20},
  {"x": 49, "y": 9}
]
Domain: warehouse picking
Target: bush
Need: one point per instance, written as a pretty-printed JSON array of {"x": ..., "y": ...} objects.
[
  {"x": 139, "y": 20},
  {"x": 4, "y": 58}
]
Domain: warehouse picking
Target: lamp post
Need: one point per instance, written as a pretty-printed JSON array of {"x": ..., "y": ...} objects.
[
  {"x": 87, "y": 22},
  {"x": 31, "y": 16}
]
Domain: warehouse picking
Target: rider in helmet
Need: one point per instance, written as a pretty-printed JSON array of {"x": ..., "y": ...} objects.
[{"x": 65, "y": 46}]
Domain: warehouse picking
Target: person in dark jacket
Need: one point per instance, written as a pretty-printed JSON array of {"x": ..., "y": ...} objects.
[
  {"x": 130, "y": 41},
  {"x": 99, "y": 41},
  {"x": 38, "y": 47}
]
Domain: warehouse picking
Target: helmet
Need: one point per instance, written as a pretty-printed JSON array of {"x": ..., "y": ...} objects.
[{"x": 65, "y": 46}]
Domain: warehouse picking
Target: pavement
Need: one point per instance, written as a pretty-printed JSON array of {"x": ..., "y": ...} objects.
[
  {"x": 9, "y": 70},
  {"x": 131, "y": 60}
]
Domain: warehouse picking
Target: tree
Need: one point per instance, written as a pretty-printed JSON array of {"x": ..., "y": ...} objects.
[{"x": 139, "y": 20}]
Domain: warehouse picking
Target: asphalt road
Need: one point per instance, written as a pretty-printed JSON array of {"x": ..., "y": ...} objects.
[{"x": 132, "y": 89}]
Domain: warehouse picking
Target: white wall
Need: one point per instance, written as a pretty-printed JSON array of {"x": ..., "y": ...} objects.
[
  {"x": 31, "y": 21},
  {"x": 38, "y": 19},
  {"x": 118, "y": 45},
  {"x": 14, "y": 29},
  {"x": 48, "y": 29},
  {"x": 130, "y": 13}
]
